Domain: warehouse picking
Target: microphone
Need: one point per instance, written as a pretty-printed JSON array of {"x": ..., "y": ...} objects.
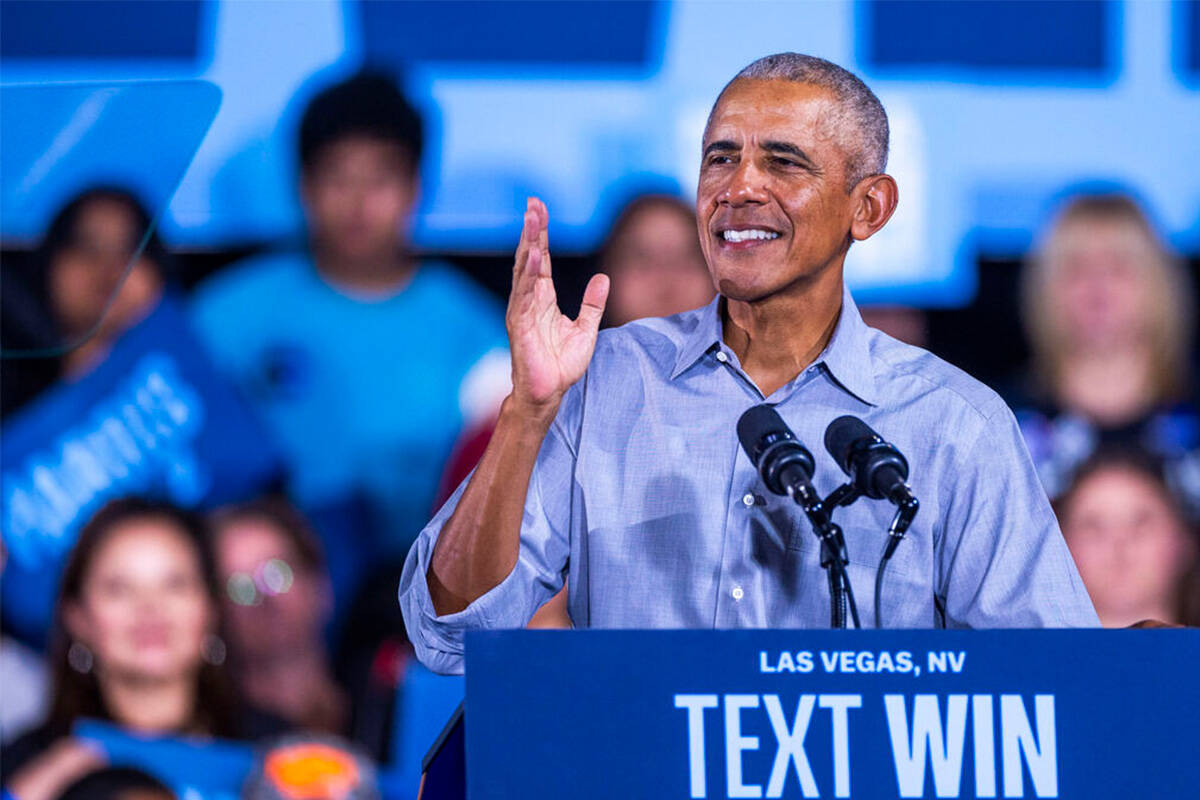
[
  {"x": 876, "y": 468},
  {"x": 785, "y": 465}
]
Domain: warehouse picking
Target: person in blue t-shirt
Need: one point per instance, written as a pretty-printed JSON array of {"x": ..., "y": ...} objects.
[{"x": 365, "y": 361}]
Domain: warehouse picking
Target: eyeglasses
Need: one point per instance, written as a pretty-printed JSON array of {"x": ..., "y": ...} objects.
[{"x": 271, "y": 578}]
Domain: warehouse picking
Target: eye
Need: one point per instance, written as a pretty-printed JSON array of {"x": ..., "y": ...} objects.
[
  {"x": 717, "y": 158},
  {"x": 780, "y": 161}
]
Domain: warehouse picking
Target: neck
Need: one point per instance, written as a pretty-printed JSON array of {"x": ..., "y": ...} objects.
[
  {"x": 82, "y": 359},
  {"x": 1112, "y": 388},
  {"x": 296, "y": 686},
  {"x": 778, "y": 337},
  {"x": 382, "y": 274},
  {"x": 150, "y": 707}
]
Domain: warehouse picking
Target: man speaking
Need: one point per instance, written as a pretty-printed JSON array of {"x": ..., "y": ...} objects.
[{"x": 616, "y": 466}]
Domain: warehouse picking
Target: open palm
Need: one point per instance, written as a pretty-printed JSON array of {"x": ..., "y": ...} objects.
[{"x": 550, "y": 351}]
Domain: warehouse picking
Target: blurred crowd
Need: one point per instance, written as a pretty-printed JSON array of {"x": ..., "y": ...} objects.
[{"x": 199, "y": 600}]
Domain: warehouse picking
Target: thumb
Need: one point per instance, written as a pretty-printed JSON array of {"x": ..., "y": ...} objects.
[{"x": 594, "y": 298}]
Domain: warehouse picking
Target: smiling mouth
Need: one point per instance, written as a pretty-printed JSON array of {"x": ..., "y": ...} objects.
[{"x": 747, "y": 236}]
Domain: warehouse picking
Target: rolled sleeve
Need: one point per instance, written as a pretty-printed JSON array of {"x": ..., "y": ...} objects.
[
  {"x": 538, "y": 575},
  {"x": 1003, "y": 560}
]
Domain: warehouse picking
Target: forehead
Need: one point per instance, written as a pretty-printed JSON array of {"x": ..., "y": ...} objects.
[
  {"x": 774, "y": 109},
  {"x": 251, "y": 539},
  {"x": 361, "y": 151},
  {"x": 142, "y": 542}
]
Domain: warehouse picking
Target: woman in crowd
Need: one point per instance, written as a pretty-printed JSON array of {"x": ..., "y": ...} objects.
[
  {"x": 89, "y": 258},
  {"x": 652, "y": 254},
  {"x": 1132, "y": 542},
  {"x": 278, "y": 600},
  {"x": 1109, "y": 316},
  {"x": 136, "y": 643}
]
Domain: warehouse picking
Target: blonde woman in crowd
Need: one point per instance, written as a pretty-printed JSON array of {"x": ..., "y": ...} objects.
[{"x": 1109, "y": 313}]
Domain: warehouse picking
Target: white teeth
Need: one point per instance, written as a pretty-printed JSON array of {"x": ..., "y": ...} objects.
[{"x": 743, "y": 236}]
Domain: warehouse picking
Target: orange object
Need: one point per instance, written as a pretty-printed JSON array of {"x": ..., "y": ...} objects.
[{"x": 311, "y": 771}]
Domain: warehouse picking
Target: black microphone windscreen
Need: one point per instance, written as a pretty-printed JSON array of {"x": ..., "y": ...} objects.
[
  {"x": 841, "y": 435},
  {"x": 757, "y": 423}
]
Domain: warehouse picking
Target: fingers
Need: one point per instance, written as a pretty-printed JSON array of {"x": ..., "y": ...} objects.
[
  {"x": 591, "y": 311},
  {"x": 534, "y": 239},
  {"x": 543, "y": 213},
  {"x": 529, "y": 235}
]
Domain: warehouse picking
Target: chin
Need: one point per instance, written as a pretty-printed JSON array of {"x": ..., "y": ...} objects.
[{"x": 743, "y": 290}]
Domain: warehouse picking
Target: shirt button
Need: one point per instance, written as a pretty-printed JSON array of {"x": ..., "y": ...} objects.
[
  {"x": 737, "y": 593},
  {"x": 721, "y": 356},
  {"x": 748, "y": 499}
]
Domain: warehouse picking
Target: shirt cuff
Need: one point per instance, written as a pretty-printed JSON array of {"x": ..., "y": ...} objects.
[{"x": 438, "y": 640}]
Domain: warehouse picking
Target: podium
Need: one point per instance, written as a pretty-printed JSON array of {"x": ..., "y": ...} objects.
[{"x": 856, "y": 714}]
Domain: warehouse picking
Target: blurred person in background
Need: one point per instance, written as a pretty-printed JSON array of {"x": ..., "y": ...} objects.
[
  {"x": 88, "y": 258},
  {"x": 1109, "y": 314},
  {"x": 365, "y": 360},
  {"x": 313, "y": 768},
  {"x": 278, "y": 600},
  {"x": 1131, "y": 540},
  {"x": 136, "y": 644},
  {"x": 652, "y": 254}
]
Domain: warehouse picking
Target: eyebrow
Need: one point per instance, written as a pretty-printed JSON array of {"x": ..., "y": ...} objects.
[
  {"x": 721, "y": 144},
  {"x": 786, "y": 147},
  {"x": 772, "y": 146}
]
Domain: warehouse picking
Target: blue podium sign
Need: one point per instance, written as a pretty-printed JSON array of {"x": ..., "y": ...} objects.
[{"x": 867, "y": 714}]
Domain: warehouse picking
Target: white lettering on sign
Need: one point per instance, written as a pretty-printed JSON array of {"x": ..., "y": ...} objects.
[
  {"x": 984, "y": 736},
  {"x": 791, "y": 745},
  {"x": 946, "y": 662},
  {"x": 839, "y": 705},
  {"x": 941, "y": 743},
  {"x": 789, "y": 742},
  {"x": 695, "y": 705},
  {"x": 945, "y": 751},
  {"x": 1040, "y": 750},
  {"x": 736, "y": 744},
  {"x": 847, "y": 661}
]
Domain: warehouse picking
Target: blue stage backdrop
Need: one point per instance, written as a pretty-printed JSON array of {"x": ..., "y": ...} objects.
[{"x": 996, "y": 107}]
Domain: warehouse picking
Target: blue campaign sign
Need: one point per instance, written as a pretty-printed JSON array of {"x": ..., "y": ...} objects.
[
  {"x": 154, "y": 419},
  {"x": 869, "y": 714},
  {"x": 197, "y": 769}
]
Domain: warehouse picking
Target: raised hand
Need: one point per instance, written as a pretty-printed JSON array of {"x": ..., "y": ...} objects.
[{"x": 550, "y": 351}]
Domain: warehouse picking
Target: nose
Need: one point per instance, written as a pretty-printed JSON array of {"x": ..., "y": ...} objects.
[{"x": 747, "y": 186}]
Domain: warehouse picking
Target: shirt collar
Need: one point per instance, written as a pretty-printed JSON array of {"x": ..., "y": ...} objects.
[
  {"x": 847, "y": 357},
  {"x": 705, "y": 336}
]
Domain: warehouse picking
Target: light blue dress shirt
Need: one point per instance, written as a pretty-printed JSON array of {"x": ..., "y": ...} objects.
[{"x": 644, "y": 503}]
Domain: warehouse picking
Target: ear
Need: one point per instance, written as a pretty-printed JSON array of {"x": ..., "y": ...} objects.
[
  {"x": 875, "y": 198},
  {"x": 75, "y": 621}
]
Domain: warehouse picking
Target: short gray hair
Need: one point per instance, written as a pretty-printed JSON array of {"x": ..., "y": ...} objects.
[{"x": 860, "y": 108}]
